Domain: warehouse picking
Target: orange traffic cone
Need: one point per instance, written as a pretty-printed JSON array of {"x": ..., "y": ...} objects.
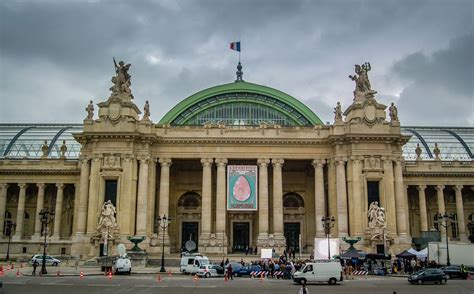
[
  {"x": 18, "y": 273},
  {"x": 261, "y": 278},
  {"x": 158, "y": 278},
  {"x": 195, "y": 279},
  {"x": 170, "y": 273},
  {"x": 110, "y": 275},
  {"x": 81, "y": 275},
  {"x": 225, "y": 278}
]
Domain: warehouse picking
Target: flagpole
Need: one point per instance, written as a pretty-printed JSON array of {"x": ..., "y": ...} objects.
[{"x": 240, "y": 49}]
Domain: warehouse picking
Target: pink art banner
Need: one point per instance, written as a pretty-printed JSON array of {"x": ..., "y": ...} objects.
[{"x": 242, "y": 187}]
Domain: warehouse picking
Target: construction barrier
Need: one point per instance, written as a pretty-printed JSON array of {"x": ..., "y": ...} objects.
[{"x": 360, "y": 273}]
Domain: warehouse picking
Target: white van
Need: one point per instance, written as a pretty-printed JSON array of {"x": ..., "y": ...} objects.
[
  {"x": 323, "y": 271},
  {"x": 190, "y": 262},
  {"x": 122, "y": 265}
]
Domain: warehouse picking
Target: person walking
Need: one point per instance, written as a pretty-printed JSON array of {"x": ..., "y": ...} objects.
[
  {"x": 303, "y": 289},
  {"x": 35, "y": 265},
  {"x": 230, "y": 275}
]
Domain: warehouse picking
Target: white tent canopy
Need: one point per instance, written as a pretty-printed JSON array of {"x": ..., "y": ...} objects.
[{"x": 422, "y": 254}]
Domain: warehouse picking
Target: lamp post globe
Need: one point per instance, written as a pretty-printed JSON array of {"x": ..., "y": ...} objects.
[
  {"x": 10, "y": 227},
  {"x": 328, "y": 223},
  {"x": 163, "y": 222}
]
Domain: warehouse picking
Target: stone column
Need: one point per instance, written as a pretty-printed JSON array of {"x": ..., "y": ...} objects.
[
  {"x": 141, "y": 223},
  {"x": 206, "y": 210},
  {"x": 341, "y": 191},
  {"x": 221, "y": 202},
  {"x": 58, "y": 212},
  {"x": 151, "y": 196},
  {"x": 357, "y": 197},
  {"x": 441, "y": 207},
  {"x": 262, "y": 238},
  {"x": 125, "y": 207},
  {"x": 93, "y": 209},
  {"x": 319, "y": 201},
  {"x": 81, "y": 217},
  {"x": 280, "y": 241},
  {"x": 76, "y": 209},
  {"x": 20, "y": 214},
  {"x": 3, "y": 206},
  {"x": 400, "y": 201},
  {"x": 423, "y": 211},
  {"x": 460, "y": 213},
  {"x": 164, "y": 201},
  {"x": 389, "y": 204}
]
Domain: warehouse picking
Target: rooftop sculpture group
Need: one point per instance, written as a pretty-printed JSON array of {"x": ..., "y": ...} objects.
[
  {"x": 122, "y": 80},
  {"x": 363, "y": 89}
]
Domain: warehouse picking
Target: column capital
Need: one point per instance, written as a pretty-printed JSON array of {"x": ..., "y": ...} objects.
[
  {"x": 60, "y": 186},
  {"x": 97, "y": 157},
  {"x": 318, "y": 162},
  {"x": 357, "y": 159},
  {"x": 458, "y": 187},
  {"x": 165, "y": 162},
  {"x": 421, "y": 188},
  {"x": 277, "y": 162},
  {"x": 207, "y": 162},
  {"x": 221, "y": 162},
  {"x": 3, "y": 186},
  {"x": 263, "y": 162},
  {"x": 22, "y": 185},
  {"x": 144, "y": 159},
  {"x": 340, "y": 160},
  {"x": 440, "y": 187}
]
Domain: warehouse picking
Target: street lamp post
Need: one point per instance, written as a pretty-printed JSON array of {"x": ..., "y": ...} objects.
[
  {"x": 447, "y": 218},
  {"x": 10, "y": 227},
  {"x": 163, "y": 222},
  {"x": 46, "y": 217},
  {"x": 328, "y": 223}
]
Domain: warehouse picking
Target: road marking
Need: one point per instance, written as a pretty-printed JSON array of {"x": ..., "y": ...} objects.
[
  {"x": 14, "y": 283},
  {"x": 56, "y": 284},
  {"x": 102, "y": 285},
  {"x": 151, "y": 286},
  {"x": 199, "y": 286}
]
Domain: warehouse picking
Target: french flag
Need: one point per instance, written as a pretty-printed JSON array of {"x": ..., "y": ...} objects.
[{"x": 235, "y": 46}]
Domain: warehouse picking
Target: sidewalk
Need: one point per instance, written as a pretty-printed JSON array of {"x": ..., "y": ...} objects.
[{"x": 65, "y": 270}]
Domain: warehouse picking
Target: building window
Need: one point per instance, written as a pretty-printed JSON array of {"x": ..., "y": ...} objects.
[
  {"x": 293, "y": 200},
  {"x": 111, "y": 191},
  {"x": 373, "y": 192},
  {"x": 190, "y": 200},
  {"x": 23, "y": 250},
  {"x": 454, "y": 226}
]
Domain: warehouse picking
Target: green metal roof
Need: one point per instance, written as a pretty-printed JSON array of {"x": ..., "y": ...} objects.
[{"x": 293, "y": 106}]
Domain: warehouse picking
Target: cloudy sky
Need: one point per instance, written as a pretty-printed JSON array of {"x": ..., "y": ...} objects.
[{"x": 55, "y": 56}]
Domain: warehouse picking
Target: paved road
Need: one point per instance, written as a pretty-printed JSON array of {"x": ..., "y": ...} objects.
[{"x": 179, "y": 284}]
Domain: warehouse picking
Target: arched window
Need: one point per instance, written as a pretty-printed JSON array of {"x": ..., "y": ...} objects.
[
  {"x": 8, "y": 215},
  {"x": 454, "y": 226},
  {"x": 190, "y": 200},
  {"x": 27, "y": 215},
  {"x": 436, "y": 222},
  {"x": 292, "y": 200}
]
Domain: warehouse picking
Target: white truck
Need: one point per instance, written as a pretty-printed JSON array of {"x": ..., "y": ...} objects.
[
  {"x": 458, "y": 253},
  {"x": 190, "y": 262}
]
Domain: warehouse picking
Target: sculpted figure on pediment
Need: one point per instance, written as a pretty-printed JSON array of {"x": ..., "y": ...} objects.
[{"x": 363, "y": 88}]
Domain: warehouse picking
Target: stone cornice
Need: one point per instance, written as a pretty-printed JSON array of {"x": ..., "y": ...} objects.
[
  {"x": 438, "y": 174},
  {"x": 40, "y": 172},
  {"x": 251, "y": 141},
  {"x": 356, "y": 138}
]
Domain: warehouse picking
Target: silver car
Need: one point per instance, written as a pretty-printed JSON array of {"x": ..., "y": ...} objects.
[
  {"x": 49, "y": 260},
  {"x": 210, "y": 270}
]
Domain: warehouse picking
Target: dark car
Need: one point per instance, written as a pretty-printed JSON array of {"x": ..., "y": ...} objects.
[
  {"x": 248, "y": 269},
  {"x": 453, "y": 271},
  {"x": 429, "y": 275}
]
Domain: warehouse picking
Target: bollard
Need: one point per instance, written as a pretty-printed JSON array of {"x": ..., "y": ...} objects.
[
  {"x": 58, "y": 274},
  {"x": 18, "y": 273}
]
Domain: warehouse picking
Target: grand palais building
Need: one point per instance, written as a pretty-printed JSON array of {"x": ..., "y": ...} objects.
[{"x": 234, "y": 166}]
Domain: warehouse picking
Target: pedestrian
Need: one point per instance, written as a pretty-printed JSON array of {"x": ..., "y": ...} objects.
[
  {"x": 303, "y": 289},
  {"x": 35, "y": 265},
  {"x": 463, "y": 272},
  {"x": 229, "y": 272}
]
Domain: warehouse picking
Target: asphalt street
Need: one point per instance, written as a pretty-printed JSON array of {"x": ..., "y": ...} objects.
[{"x": 179, "y": 284}]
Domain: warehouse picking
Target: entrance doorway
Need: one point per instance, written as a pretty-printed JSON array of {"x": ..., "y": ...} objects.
[
  {"x": 292, "y": 235},
  {"x": 189, "y": 231},
  {"x": 240, "y": 237}
]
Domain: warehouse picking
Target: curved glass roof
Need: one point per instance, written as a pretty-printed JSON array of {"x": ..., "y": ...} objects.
[
  {"x": 19, "y": 141},
  {"x": 454, "y": 143},
  {"x": 25, "y": 140},
  {"x": 241, "y": 103}
]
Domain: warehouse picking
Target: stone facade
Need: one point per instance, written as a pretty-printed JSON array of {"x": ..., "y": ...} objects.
[{"x": 305, "y": 173}]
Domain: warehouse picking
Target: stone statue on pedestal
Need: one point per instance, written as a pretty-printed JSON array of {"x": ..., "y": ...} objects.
[
  {"x": 90, "y": 110},
  {"x": 393, "y": 111},
  {"x": 45, "y": 149},
  {"x": 436, "y": 152},
  {"x": 122, "y": 80},
  {"x": 63, "y": 149},
  {"x": 107, "y": 221},
  {"x": 363, "y": 88},
  {"x": 376, "y": 216},
  {"x": 418, "y": 151},
  {"x": 338, "y": 112},
  {"x": 146, "y": 111}
]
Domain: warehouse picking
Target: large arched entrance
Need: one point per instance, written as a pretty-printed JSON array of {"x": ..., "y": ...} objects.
[
  {"x": 189, "y": 213},
  {"x": 293, "y": 210}
]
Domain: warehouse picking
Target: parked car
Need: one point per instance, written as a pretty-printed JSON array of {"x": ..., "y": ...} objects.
[
  {"x": 453, "y": 271},
  {"x": 236, "y": 266},
  {"x": 49, "y": 260},
  {"x": 210, "y": 270},
  {"x": 246, "y": 270},
  {"x": 430, "y": 275}
]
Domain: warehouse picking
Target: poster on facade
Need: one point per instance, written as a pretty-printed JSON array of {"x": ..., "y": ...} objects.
[{"x": 242, "y": 187}]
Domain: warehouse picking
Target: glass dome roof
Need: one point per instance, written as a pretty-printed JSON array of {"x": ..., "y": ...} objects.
[
  {"x": 454, "y": 143},
  {"x": 25, "y": 140}
]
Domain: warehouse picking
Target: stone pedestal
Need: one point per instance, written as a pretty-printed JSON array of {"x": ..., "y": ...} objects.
[{"x": 138, "y": 258}]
